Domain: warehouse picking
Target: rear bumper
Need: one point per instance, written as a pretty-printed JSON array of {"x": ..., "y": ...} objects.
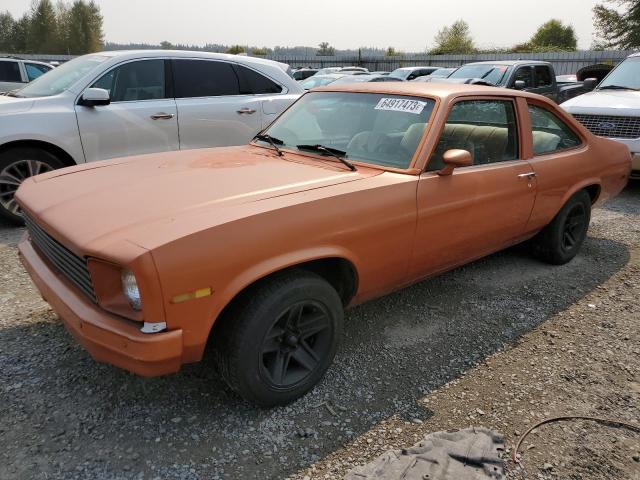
[{"x": 108, "y": 338}]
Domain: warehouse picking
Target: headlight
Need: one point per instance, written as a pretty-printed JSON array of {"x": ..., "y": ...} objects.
[{"x": 131, "y": 290}]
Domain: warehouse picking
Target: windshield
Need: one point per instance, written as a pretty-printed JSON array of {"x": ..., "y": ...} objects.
[
  {"x": 61, "y": 78},
  {"x": 627, "y": 75},
  {"x": 317, "y": 81},
  {"x": 401, "y": 73},
  {"x": 375, "y": 128},
  {"x": 491, "y": 73}
]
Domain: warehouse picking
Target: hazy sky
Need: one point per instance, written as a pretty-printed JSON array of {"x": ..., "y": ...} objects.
[{"x": 408, "y": 25}]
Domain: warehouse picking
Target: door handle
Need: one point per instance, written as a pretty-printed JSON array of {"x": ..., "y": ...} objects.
[
  {"x": 162, "y": 116},
  {"x": 246, "y": 111},
  {"x": 529, "y": 176}
]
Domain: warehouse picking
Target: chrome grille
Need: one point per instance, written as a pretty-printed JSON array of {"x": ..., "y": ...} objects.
[
  {"x": 611, "y": 126},
  {"x": 73, "y": 267}
]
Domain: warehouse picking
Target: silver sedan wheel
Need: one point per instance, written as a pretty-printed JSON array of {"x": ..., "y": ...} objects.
[{"x": 11, "y": 178}]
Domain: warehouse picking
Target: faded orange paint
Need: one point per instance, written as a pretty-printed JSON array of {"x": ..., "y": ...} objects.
[{"x": 225, "y": 218}]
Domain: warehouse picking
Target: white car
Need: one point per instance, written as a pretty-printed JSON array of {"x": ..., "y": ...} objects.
[
  {"x": 115, "y": 104},
  {"x": 16, "y": 72},
  {"x": 612, "y": 110}
]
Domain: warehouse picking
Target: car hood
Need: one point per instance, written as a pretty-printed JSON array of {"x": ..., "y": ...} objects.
[
  {"x": 93, "y": 205},
  {"x": 612, "y": 102}
]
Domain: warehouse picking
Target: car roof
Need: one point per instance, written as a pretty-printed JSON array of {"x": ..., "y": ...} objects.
[
  {"x": 508, "y": 62},
  {"x": 439, "y": 90},
  {"x": 132, "y": 54},
  {"x": 416, "y": 68},
  {"x": 328, "y": 75}
]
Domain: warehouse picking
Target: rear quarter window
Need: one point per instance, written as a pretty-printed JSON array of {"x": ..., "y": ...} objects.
[
  {"x": 254, "y": 83},
  {"x": 550, "y": 133}
]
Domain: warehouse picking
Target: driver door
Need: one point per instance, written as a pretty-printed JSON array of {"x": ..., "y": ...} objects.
[
  {"x": 478, "y": 209},
  {"x": 141, "y": 117}
]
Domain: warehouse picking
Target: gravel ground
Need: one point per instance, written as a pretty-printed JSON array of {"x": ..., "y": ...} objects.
[{"x": 500, "y": 343}]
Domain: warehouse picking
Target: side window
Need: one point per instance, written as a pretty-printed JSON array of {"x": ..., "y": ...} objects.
[
  {"x": 134, "y": 81},
  {"x": 34, "y": 70},
  {"x": 543, "y": 76},
  {"x": 252, "y": 82},
  {"x": 204, "y": 78},
  {"x": 550, "y": 134},
  {"x": 524, "y": 74},
  {"x": 485, "y": 128},
  {"x": 9, "y": 72}
]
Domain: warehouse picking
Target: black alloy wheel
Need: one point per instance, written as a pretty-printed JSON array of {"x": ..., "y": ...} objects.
[{"x": 296, "y": 343}]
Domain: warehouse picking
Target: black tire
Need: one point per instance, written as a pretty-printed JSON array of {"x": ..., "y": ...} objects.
[
  {"x": 254, "y": 342},
  {"x": 560, "y": 241},
  {"x": 16, "y": 165}
]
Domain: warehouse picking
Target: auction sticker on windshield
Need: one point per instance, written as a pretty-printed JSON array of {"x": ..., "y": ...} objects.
[{"x": 401, "y": 105}]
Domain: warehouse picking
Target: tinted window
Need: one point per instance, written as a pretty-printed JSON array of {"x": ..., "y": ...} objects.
[
  {"x": 491, "y": 73},
  {"x": 543, "y": 76},
  {"x": 134, "y": 81},
  {"x": 524, "y": 74},
  {"x": 251, "y": 82},
  {"x": 550, "y": 134},
  {"x": 9, "y": 72},
  {"x": 485, "y": 128},
  {"x": 204, "y": 78},
  {"x": 34, "y": 70}
]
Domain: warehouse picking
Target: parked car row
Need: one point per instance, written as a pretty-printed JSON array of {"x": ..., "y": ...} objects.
[{"x": 115, "y": 104}]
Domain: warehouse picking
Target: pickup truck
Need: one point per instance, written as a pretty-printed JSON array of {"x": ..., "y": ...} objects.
[
  {"x": 612, "y": 109},
  {"x": 526, "y": 75}
]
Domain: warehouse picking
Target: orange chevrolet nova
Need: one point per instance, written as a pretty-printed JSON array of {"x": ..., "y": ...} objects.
[{"x": 353, "y": 192}]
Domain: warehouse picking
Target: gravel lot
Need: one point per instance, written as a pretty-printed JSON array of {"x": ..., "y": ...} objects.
[{"x": 407, "y": 358}]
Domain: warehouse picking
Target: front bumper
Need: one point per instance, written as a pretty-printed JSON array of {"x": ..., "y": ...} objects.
[
  {"x": 108, "y": 338},
  {"x": 635, "y": 166}
]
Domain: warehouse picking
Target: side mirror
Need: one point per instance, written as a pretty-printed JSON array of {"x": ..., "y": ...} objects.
[
  {"x": 590, "y": 84},
  {"x": 94, "y": 97},
  {"x": 520, "y": 85},
  {"x": 454, "y": 159}
]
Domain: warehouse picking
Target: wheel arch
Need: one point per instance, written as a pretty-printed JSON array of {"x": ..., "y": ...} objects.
[
  {"x": 339, "y": 271},
  {"x": 53, "y": 149},
  {"x": 592, "y": 186}
]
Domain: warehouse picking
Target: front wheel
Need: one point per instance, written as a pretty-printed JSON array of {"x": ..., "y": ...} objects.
[
  {"x": 281, "y": 339},
  {"x": 560, "y": 241},
  {"x": 16, "y": 165}
]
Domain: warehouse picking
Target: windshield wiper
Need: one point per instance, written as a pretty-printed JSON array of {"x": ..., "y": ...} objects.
[
  {"x": 13, "y": 93},
  {"x": 617, "y": 87},
  {"x": 274, "y": 142},
  {"x": 334, "y": 152}
]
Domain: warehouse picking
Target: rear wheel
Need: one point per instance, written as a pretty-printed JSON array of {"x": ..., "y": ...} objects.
[
  {"x": 16, "y": 165},
  {"x": 281, "y": 339},
  {"x": 560, "y": 241}
]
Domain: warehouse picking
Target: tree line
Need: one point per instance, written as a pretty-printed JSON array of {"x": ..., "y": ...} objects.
[
  {"x": 64, "y": 28},
  {"x": 76, "y": 28},
  {"x": 616, "y": 22}
]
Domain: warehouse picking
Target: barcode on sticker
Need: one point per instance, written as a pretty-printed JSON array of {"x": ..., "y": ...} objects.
[{"x": 401, "y": 105}]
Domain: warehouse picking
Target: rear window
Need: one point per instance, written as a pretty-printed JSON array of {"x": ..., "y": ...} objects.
[
  {"x": 9, "y": 72},
  {"x": 204, "y": 78}
]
